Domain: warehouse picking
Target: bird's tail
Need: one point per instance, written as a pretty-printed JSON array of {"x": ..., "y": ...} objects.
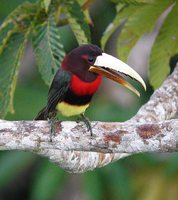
[{"x": 42, "y": 115}]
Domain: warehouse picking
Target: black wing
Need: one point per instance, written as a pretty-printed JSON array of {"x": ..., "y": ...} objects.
[{"x": 58, "y": 89}]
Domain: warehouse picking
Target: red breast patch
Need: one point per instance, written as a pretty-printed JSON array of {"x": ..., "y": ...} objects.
[{"x": 80, "y": 87}]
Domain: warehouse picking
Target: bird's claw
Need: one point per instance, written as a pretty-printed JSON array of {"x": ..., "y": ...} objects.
[
  {"x": 51, "y": 122},
  {"x": 87, "y": 123}
]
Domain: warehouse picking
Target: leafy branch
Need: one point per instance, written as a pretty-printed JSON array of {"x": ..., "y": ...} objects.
[
  {"x": 137, "y": 18},
  {"x": 42, "y": 20}
]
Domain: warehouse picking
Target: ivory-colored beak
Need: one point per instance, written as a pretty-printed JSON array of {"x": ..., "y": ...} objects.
[{"x": 113, "y": 68}]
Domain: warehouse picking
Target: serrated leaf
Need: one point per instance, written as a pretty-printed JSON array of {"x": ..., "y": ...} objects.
[
  {"x": 10, "y": 60},
  {"x": 48, "y": 176},
  {"x": 139, "y": 23},
  {"x": 77, "y": 22},
  {"x": 164, "y": 48},
  {"x": 49, "y": 50},
  {"x": 46, "y": 4},
  {"x": 5, "y": 35},
  {"x": 24, "y": 8},
  {"x": 23, "y": 11}
]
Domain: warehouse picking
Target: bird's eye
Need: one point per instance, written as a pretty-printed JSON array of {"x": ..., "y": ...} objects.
[{"x": 91, "y": 59}]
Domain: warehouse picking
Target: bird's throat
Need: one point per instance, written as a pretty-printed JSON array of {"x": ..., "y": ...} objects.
[{"x": 81, "y": 88}]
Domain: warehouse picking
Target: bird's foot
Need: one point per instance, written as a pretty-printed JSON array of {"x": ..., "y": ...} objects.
[
  {"x": 51, "y": 122},
  {"x": 87, "y": 123}
]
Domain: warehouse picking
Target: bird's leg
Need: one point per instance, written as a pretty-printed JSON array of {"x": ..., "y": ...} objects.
[
  {"x": 51, "y": 120},
  {"x": 52, "y": 128},
  {"x": 87, "y": 123}
]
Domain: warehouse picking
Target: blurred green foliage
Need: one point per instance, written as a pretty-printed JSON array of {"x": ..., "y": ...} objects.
[
  {"x": 41, "y": 21},
  {"x": 27, "y": 176}
]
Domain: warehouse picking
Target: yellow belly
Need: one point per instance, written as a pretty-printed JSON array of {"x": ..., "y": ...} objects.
[{"x": 70, "y": 110}]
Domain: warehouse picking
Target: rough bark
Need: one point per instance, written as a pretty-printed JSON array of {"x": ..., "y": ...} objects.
[
  {"x": 150, "y": 130},
  {"x": 108, "y": 137}
]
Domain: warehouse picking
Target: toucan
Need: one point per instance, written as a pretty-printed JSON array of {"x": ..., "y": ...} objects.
[{"x": 78, "y": 79}]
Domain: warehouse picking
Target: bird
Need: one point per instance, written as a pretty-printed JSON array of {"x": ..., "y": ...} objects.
[{"x": 79, "y": 78}]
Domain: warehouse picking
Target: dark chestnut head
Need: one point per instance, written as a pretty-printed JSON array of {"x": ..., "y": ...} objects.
[
  {"x": 88, "y": 61},
  {"x": 80, "y": 59}
]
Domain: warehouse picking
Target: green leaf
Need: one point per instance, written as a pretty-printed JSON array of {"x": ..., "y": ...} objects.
[
  {"x": 15, "y": 21},
  {"x": 124, "y": 13},
  {"x": 24, "y": 11},
  {"x": 47, "y": 182},
  {"x": 81, "y": 2},
  {"x": 164, "y": 48},
  {"x": 140, "y": 22},
  {"x": 12, "y": 163},
  {"x": 132, "y": 1},
  {"x": 46, "y": 4},
  {"x": 49, "y": 50},
  {"x": 85, "y": 5},
  {"x": 117, "y": 22},
  {"x": 10, "y": 60},
  {"x": 5, "y": 35},
  {"x": 77, "y": 22}
]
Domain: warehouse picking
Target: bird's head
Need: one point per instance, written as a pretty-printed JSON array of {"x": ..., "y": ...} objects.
[{"x": 88, "y": 61}]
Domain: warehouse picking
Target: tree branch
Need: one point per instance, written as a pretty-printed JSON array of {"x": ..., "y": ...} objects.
[
  {"x": 150, "y": 130},
  {"x": 108, "y": 137}
]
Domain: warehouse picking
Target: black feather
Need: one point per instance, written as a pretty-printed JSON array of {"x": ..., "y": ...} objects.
[{"x": 57, "y": 92}]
